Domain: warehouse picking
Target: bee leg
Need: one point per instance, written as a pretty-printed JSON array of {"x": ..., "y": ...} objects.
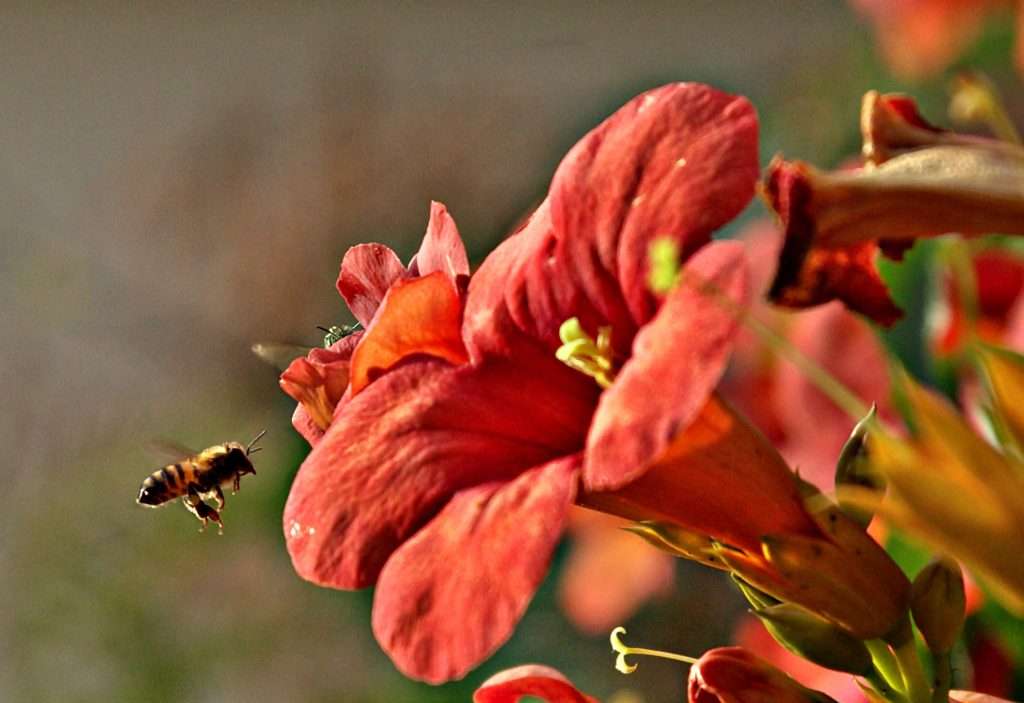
[
  {"x": 201, "y": 510},
  {"x": 237, "y": 484},
  {"x": 218, "y": 497}
]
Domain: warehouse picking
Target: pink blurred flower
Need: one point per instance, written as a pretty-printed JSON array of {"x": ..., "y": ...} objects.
[
  {"x": 919, "y": 38},
  {"x": 609, "y": 573},
  {"x": 805, "y": 425}
]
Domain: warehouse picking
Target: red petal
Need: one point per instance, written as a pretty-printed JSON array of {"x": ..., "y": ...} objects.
[
  {"x": 417, "y": 316},
  {"x": 318, "y": 382},
  {"x": 732, "y": 674},
  {"x": 452, "y": 594},
  {"x": 442, "y": 248},
  {"x": 678, "y": 161},
  {"x": 534, "y": 680},
  {"x": 677, "y": 361},
  {"x": 397, "y": 451},
  {"x": 719, "y": 477},
  {"x": 367, "y": 272}
]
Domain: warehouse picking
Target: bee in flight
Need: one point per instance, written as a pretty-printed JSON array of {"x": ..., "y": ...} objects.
[{"x": 198, "y": 478}]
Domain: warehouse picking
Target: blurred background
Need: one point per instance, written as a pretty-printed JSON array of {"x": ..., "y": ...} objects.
[{"x": 176, "y": 184}]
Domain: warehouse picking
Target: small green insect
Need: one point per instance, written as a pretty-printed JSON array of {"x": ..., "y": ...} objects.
[{"x": 335, "y": 333}]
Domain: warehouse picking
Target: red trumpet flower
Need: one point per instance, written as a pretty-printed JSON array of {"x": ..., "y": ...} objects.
[
  {"x": 467, "y": 429},
  {"x": 450, "y": 462}
]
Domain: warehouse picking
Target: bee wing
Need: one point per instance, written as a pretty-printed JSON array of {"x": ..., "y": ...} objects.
[
  {"x": 278, "y": 354},
  {"x": 168, "y": 450}
]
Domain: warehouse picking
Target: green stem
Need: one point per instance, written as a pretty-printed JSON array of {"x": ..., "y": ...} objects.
[
  {"x": 915, "y": 682},
  {"x": 943, "y": 677},
  {"x": 885, "y": 664}
]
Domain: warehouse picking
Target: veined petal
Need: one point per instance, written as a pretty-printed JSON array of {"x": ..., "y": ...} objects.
[
  {"x": 533, "y": 680},
  {"x": 442, "y": 249},
  {"x": 452, "y": 594},
  {"x": 397, "y": 451},
  {"x": 367, "y": 272},
  {"x": 419, "y": 316},
  {"x": 678, "y": 161},
  {"x": 676, "y": 363}
]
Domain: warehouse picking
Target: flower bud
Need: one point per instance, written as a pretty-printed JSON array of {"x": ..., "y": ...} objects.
[
  {"x": 815, "y": 639},
  {"x": 854, "y": 469},
  {"x": 734, "y": 675},
  {"x": 938, "y": 603}
]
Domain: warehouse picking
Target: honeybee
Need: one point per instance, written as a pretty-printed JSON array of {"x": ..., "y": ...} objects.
[{"x": 198, "y": 478}]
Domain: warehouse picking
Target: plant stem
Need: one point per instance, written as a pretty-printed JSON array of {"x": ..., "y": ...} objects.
[
  {"x": 916, "y": 684},
  {"x": 943, "y": 677}
]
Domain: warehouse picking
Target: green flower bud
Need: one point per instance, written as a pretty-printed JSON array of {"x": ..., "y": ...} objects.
[
  {"x": 939, "y": 605},
  {"x": 853, "y": 468},
  {"x": 815, "y": 639}
]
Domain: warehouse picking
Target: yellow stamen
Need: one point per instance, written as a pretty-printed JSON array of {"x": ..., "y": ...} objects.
[
  {"x": 620, "y": 647},
  {"x": 581, "y": 352}
]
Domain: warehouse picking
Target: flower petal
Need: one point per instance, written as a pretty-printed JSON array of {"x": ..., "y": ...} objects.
[
  {"x": 318, "y": 382},
  {"x": 719, "y": 477},
  {"x": 417, "y": 316},
  {"x": 534, "y": 680},
  {"x": 732, "y": 674},
  {"x": 452, "y": 594},
  {"x": 397, "y": 451},
  {"x": 367, "y": 272},
  {"x": 678, "y": 161},
  {"x": 442, "y": 248},
  {"x": 677, "y": 361}
]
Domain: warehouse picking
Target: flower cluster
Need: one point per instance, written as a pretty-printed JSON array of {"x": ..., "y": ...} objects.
[{"x": 584, "y": 365}]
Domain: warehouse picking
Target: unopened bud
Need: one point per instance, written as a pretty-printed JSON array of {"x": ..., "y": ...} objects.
[
  {"x": 731, "y": 674},
  {"x": 815, "y": 639},
  {"x": 854, "y": 469},
  {"x": 938, "y": 603}
]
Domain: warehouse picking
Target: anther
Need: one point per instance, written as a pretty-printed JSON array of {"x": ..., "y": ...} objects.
[{"x": 582, "y": 352}]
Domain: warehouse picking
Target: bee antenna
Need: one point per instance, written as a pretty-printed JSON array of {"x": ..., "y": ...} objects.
[
  {"x": 323, "y": 329},
  {"x": 249, "y": 448}
]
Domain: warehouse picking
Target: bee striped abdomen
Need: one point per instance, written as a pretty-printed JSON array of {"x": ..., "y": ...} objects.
[{"x": 166, "y": 484}]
